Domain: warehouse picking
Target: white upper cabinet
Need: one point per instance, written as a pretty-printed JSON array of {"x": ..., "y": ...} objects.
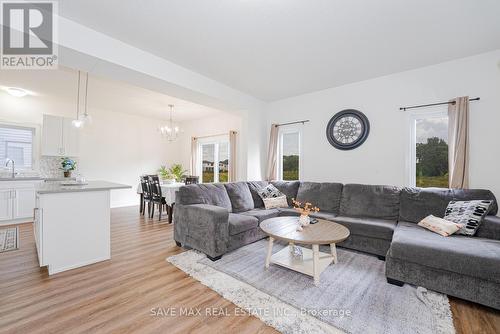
[{"x": 59, "y": 137}]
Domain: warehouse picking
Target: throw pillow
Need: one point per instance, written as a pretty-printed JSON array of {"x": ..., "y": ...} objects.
[
  {"x": 269, "y": 191},
  {"x": 440, "y": 225},
  {"x": 275, "y": 202},
  {"x": 468, "y": 213}
]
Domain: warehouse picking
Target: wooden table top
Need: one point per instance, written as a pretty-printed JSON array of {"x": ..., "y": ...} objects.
[{"x": 322, "y": 233}]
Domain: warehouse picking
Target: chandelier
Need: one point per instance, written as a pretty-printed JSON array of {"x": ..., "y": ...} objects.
[{"x": 171, "y": 130}]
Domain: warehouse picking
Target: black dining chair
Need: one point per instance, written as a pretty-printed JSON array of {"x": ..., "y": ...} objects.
[
  {"x": 146, "y": 195},
  {"x": 157, "y": 198},
  {"x": 191, "y": 180}
]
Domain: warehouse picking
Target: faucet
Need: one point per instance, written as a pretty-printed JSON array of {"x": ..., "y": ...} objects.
[{"x": 13, "y": 166}]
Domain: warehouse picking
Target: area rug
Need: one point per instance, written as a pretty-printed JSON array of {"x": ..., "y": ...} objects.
[
  {"x": 353, "y": 295},
  {"x": 9, "y": 239}
]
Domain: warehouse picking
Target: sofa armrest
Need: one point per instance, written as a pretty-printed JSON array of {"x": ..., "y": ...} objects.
[
  {"x": 202, "y": 227},
  {"x": 489, "y": 228}
]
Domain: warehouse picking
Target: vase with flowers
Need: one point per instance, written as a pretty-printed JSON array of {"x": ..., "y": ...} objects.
[
  {"x": 67, "y": 165},
  {"x": 304, "y": 209}
]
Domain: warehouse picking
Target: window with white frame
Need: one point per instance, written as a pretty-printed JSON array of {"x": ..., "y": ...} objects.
[
  {"x": 429, "y": 150},
  {"x": 213, "y": 159},
  {"x": 16, "y": 143},
  {"x": 289, "y": 154}
]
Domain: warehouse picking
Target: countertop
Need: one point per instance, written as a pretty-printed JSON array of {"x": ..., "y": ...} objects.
[
  {"x": 37, "y": 178},
  {"x": 52, "y": 188}
]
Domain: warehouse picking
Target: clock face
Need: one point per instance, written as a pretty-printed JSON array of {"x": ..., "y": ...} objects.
[{"x": 347, "y": 129}]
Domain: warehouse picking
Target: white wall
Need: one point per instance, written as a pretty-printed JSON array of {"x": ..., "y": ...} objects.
[
  {"x": 117, "y": 147},
  {"x": 383, "y": 158}
]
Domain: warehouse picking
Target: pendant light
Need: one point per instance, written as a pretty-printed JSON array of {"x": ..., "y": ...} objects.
[
  {"x": 171, "y": 130},
  {"x": 84, "y": 119}
]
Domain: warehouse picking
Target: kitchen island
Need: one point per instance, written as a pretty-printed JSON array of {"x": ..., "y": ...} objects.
[{"x": 72, "y": 224}]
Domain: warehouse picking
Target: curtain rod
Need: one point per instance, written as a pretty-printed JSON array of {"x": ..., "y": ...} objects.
[
  {"x": 216, "y": 135},
  {"x": 290, "y": 123},
  {"x": 435, "y": 104}
]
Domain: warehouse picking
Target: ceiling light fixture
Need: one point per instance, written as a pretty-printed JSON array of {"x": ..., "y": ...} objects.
[
  {"x": 171, "y": 130},
  {"x": 17, "y": 92}
]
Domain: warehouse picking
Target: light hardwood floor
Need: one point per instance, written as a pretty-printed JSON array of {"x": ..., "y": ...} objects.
[{"x": 117, "y": 296}]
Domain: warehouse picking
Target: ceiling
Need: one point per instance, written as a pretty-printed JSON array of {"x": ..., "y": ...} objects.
[
  {"x": 61, "y": 86},
  {"x": 281, "y": 48}
]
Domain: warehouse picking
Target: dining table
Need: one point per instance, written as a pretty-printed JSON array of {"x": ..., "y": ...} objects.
[{"x": 168, "y": 191}]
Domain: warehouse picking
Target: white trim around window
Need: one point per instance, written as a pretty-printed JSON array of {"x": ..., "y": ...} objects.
[
  {"x": 412, "y": 152},
  {"x": 286, "y": 130},
  {"x": 216, "y": 141}
]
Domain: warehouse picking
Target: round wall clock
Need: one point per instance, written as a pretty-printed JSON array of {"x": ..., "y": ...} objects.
[{"x": 348, "y": 129}]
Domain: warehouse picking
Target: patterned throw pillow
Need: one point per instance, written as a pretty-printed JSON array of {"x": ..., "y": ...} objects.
[
  {"x": 440, "y": 225},
  {"x": 275, "y": 202},
  {"x": 468, "y": 213},
  {"x": 269, "y": 191}
]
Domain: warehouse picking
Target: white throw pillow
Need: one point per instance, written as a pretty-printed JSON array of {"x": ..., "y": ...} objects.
[
  {"x": 440, "y": 225},
  {"x": 275, "y": 202}
]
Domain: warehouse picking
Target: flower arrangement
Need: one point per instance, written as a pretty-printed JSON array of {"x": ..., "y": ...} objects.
[
  {"x": 67, "y": 165},
  {"x": 304, "y": 208}
]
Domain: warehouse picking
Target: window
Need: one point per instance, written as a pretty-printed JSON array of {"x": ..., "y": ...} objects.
[
  {"x": 430, "y": 150},
  {"x": 289, "y": 154},
  {"x": 16, "y": 143},
  {"x": 214, "y": 159}
]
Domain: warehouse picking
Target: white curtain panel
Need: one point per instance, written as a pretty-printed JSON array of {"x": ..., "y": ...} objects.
[
  {"x": 194, "y": 156},
  {"x": 232, "y": 156},
  {"x": 272, "y": 154},
  {"x": 458, "y": 142}
]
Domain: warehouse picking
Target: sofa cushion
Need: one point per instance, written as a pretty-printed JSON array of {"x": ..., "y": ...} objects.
[
  {"x": 368, "y": 227},
  {"x": 289, "y": 188},
  {"x": 325, "y": 196},
  {"x": 418, "y": 203},
  {"x": 240, "y": 223},
  {"x": 476, "y": 257},
  {"x": 254, "y": 187},
  {"x": 240, "y": 196},
  {"x": 360, "y": 200},
  {"x": 262, "y": 214},
  {"x": 490, "y": 228},
  {"x": 288, "y": 212},
  {"x": 324, "y": 215},
  {"x": 204, "y": 193}
]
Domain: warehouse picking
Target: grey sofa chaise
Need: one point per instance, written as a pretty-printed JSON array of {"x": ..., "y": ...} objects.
[{"x": 218, "y": 218}]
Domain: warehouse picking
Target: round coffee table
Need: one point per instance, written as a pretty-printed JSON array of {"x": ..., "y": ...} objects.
[{"x": 313, "y": 262}]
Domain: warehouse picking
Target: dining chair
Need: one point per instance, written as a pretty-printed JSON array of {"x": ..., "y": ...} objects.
[
  {"x": 146, "y": 195},
  {"x": 191, "y": 180},
  {"x": 157, "y": 198}
]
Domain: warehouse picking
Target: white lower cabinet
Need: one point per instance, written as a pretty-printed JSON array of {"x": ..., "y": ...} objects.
[
  {"x": 17, "y": 200},
  {"x": 5, "y": 204}
]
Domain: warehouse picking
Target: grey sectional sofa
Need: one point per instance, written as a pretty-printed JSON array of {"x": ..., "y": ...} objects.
[{"x": 218, "y": 218}]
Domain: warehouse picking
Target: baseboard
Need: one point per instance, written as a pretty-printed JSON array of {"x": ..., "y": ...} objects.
[{"x": 74, "y": 266}]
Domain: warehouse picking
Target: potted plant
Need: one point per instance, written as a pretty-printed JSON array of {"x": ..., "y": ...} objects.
[
  {"x": 177, "y": 172},
  {"x": 67, "y": 165},
  {"x": 165, "y": 174}
]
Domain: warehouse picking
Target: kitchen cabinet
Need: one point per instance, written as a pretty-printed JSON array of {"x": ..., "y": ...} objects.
[
  {"x": 59, "y": 137},
  {"x": 24, "y": 202},
  {"x": 17, "y": 200},
  {"x": 5, "y": 204}
]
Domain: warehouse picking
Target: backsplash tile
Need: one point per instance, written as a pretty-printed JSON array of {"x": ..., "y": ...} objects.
[{"x": 50, "y": 167}]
